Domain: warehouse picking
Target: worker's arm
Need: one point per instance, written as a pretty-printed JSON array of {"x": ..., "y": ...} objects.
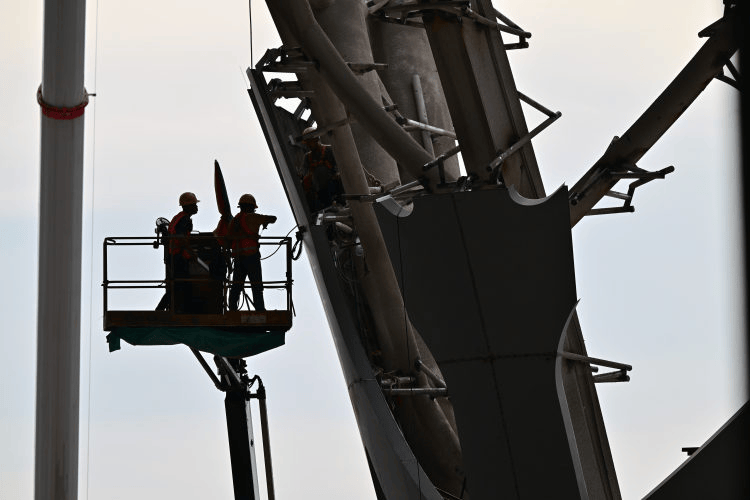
[{"x": 268, "y": 219}]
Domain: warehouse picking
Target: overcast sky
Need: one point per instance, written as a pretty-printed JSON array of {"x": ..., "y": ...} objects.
[{"x": 658, "y": 288}]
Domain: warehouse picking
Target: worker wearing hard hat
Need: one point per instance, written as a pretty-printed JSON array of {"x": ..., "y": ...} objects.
[
  {"x": 180, "y": 254},
  {"x": 243, "y": 232},
  {"x": 320, "y": 180}
]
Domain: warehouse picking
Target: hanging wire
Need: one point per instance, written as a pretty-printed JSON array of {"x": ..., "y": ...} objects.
[
  {"x": 91, "y": 265},
  {"x": 280, "y": 244},
  {"x": 250, "y": 15}
]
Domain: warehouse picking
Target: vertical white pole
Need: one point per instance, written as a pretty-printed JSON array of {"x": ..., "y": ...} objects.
[{"x": 60, "y": 213}]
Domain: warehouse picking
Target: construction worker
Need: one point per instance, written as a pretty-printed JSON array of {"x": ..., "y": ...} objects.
[
  {"x": 180, "y": 254},
  {"x": 321, "y": 180},
  {"x": 243, "y": 232}
]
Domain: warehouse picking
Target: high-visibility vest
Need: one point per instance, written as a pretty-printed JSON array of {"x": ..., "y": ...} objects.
[
  {"x": 222, "y": 231},
  {"x": 178, "y": 245},
  {"x": 244, "y": 232},
  {"x": 318, "y": 157},
  {"x": 246, "y": 240}
]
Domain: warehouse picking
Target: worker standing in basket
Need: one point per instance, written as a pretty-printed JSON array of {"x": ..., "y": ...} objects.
[
  {"x": 180, "y": 254},
  {"x": 243, "y": 232}
]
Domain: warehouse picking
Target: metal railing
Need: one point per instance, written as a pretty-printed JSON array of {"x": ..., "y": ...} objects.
[{"x": 195, "y": 240}]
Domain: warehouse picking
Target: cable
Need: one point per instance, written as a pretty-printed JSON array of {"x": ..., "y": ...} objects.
[
  {"x": 279, "y": 245},
  {"x": 91, "y": 265},
  {"x": 297, "y": 247}
]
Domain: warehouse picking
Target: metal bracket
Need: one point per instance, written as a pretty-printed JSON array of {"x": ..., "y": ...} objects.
[
  {"x": 632, "y": 172},
  {"x": 710, "y": 31},
  {"x": 439, "y": 162},
  {"x": 283, "y": 60},
  {"x": 278, "y": 88},
  {"x": 552, "y": 116},
  {"x": 522, "y": 43},
  {"x": 617, "y": 376},
  {"x": 458, "y": 9},
  {"x": 735, "y": 80},
  {"x": 362, "y": 68}
]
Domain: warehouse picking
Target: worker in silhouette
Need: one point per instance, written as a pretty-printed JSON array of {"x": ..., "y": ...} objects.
[
  {"x": 321, "y": 180},
  {"x": 243, "y": 233},
  {"x": 179, "y": 255}
]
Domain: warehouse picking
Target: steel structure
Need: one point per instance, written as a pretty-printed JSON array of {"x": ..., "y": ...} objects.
[
  {"x": 451, "y": 297},
  {"x": 476, "y": 390}
]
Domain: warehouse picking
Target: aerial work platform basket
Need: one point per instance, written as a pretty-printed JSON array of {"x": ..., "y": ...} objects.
[{"x": 200, "y": 319}]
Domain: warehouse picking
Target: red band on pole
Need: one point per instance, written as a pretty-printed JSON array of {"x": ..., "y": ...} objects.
[{"x": 61, "y": 113}]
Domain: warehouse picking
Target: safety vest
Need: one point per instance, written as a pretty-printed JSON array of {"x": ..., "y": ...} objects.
[
  {"x": 244, "y": 229},
  {"x": 222, "y": 230},
  {"x": 178, "y": 245},
  {"x": 320, "y": 169},
  {"x": 313, "y": 159}
]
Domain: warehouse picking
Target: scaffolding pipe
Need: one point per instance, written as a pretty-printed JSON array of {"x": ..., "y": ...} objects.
[{"x": 422, "y": 113}]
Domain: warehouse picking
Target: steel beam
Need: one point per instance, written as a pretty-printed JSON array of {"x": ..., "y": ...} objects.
[
  {"x": 482, "y": 97},
  {"x": 707, "y": 63}
]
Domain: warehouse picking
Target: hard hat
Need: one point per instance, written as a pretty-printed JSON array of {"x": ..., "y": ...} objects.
[
  {"x": 309, "y": 130},
  {"x": 247, "y": 199},
  {"x": 188, "y": 198}
]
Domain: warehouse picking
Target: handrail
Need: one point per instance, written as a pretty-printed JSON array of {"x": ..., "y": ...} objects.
[{"x": 194, "y": 238}]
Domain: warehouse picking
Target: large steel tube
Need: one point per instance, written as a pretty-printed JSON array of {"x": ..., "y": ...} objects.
[
  {"x": 60, "y": 213},
  {"x": 368, "y": 112},
  {"x": 406, "y": 51},
  {"x": 352, "y": 43},
  {"x": 399, "y": 342}
]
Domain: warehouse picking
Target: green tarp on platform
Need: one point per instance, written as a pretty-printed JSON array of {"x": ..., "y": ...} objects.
[{"x": 213, "y": 340}]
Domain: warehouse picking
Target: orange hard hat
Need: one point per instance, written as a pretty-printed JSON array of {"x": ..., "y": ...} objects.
[
  {"x": 247, "y": 199},
  {"x": 188, "y": 198}
]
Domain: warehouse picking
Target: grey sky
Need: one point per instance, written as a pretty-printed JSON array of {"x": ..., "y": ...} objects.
[{"x": 658, "y": 288}]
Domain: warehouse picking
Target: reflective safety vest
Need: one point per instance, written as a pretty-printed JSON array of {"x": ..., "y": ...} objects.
[
  {"x": 244, "y": 232},
  {"x": 222, "y": 230},
  {"x": 317, "y": 157},
  {"x": 178, "y": 244},
  {"x": 316, "y": 178}
]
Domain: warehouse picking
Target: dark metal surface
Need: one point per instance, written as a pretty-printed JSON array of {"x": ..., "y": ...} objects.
[
  {"x": 241, "y": 445},
  {"x": 474, "y": 287},
  {"x": 718, "y": 469}
]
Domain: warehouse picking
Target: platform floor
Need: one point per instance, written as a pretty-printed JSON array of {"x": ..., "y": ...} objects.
[{"x": 241, "y": 321}]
